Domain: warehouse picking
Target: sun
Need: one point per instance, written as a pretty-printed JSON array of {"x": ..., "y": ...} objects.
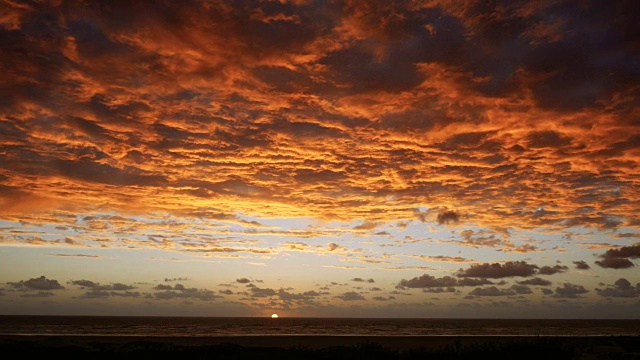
[{"x": 274, "y": 316}]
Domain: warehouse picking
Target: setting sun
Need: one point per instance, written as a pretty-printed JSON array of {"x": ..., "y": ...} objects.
[{"x": 274, "y": 316}]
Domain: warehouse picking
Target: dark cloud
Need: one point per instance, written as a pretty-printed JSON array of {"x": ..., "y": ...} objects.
[
  {"x": 86, "y": 170},
  {"x": 550, "y": 270},
  {"x": 569, "y": 290},
  {"x": 521, "y": 289},
  {"x": 126, "y": 294},
  {"x": 322, "y": 176},
  {"x": 243, "y": 281},
  {"x": 103, "y": 294},
  {"x": 439, "y": 290},
  {"x": 491, "y": 291},
  {"x": 95, "y": 294},
  {"x": 226, "y": 292},
  {"x": 306, "y": 297},
  {"x": 448, "y": 217},
  {"x": 496, "y": 270},
  {"x": 429, "y": 281},
  {"x": 39, "y": 294},
  {"x": 615, "y": 263},
  {"x": 76, "y": 255},
  {"x": 363, "y": 280},
  {"x": 97, "y": 287},
  {"x": 622, "y": 288},
  {"x": 84, "y": 283},
  {"x": 179, "y": 291},
  {"x": 535, "y": 281},
  {"x": 617, "y": 258},
  {"x": 176, "y": 279},
  {"x": 350, "y": 296},
  {"x": 41, "y": 283},
  {"x": 582, "y": 265},
  {"x": 547, "y": 139},
  {"x": 259, "y": 293}
]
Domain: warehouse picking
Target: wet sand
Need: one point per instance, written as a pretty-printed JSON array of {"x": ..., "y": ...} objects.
[{"x": 329, "y": 347}]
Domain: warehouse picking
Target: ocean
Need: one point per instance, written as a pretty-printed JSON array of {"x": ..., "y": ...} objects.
[{"x": 223, "y": 326}]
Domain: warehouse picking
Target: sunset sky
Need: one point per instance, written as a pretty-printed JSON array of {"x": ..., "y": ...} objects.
[{"x": 320, "y": 158}]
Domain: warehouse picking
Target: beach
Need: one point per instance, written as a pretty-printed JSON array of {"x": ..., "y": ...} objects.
[{"x": 325, "y": 347}]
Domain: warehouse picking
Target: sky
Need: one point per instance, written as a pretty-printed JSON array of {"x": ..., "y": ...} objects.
[{"x": 320, "y": 158}]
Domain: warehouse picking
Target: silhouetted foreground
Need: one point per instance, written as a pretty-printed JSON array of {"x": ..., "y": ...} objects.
[{"x": 323, "y": 347}]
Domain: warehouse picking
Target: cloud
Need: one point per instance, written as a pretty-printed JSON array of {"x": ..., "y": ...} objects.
[
  {"x": 178, "y": 117},
  {"x": 179, "y": 291},
  {"x": 548, "y": 270},
  {"x": 617, "y": 258},
  {"x": 259, "y": 292},
  {"x": 243, "y": 281},
  {"x": 481, "y": 239},
  {"x": 338, "y": 77},
  {"x": 448, "y": 217},
  {"x": 624, "y": 252},
  {"x": 429, "y": 281},
  {"x": 306, "y": 297},
  {"x": 547, "y": 139},
  {"x": 615, "y": 263},
  {"x": 103, "y": 294},
  {"x": 569, "y": 290},
  {"x": 350, "y": 296},
  {"x": 39, "y": 294},
  {"x": 367, "y": 225},
  {"x": 332, "y": 246},
  {"x": 535, "y": 281},
  {"x": 491, "y": 291},
  {"x": 126, "y": 294},
  {"x": 357, "y": 279},
  {"x": 76, "y": 255},
  {"x": 496, "y": 270},
  {"x": 521, "y": 289},
  {"x": 582, "y": 265},
  {"x": 622, "y": 288},
  {"x": 84, "y": 283},
  {"x": 97, "y": 287},
  {"x": 41, "y": 283},
  {"x": 439, "y": 290}
]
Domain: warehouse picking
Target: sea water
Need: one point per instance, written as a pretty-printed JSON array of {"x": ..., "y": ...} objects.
[{"x": 226, "y": 326}]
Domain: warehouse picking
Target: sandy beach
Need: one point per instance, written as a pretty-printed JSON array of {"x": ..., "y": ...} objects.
[{"x": 329, "y": 347}]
